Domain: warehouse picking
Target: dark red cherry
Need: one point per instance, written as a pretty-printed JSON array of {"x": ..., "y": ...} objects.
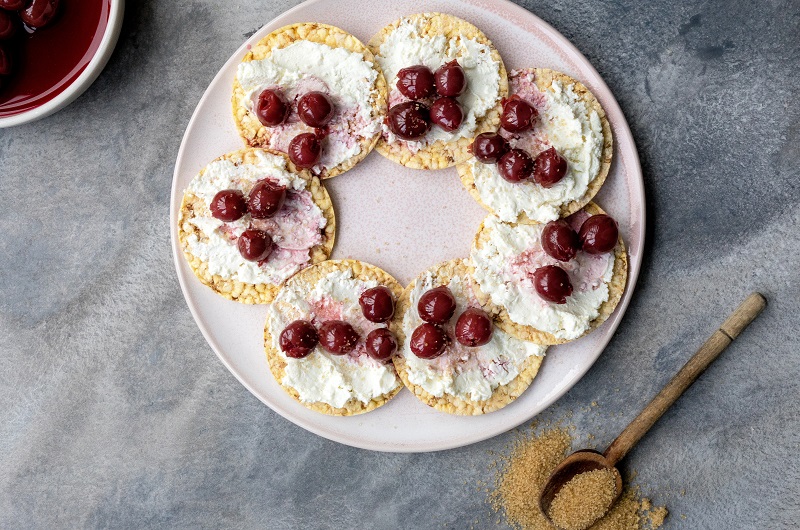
[
  {"x": 474, "y": 327},
  {"x": 549, "y": 168},
  {"x": 436, "y": 305},
  {"x": 255, "y": 245},
  {"x": 517, "y": 115},
  {"x": 305, "y": 150},
  {"x": 337, "y": 337},
  {"x": 271, "y": 109},
  {"x": 599, "y": 234},
  {"x": 489, "y": 147},
  {"x": 228, "y": 205},
  {"x": 381, "y": 344},
  {"x": 552, "y": 283},
  {"x": 560, "y": 241},
  {"x": 415, "y": 82},
  {"x": 8, "y": 26},
  {"x": 265, "y": 199},
  {"x": 39, "y": 13},
  {"x": 12, "y": 5},
  {"x": 315, "y": 109},
  {"x": 409, "y": 120},
  {"x": 428, "y": 341},
  {"x": 515, "y": 165},
  {"x": 447, "y": 114},
  {"x": 377, "y": 304},
  {"x": 6, "y": 66},
  {"x": 298, "y": 339},
  {"x": 450, "y": 79}
]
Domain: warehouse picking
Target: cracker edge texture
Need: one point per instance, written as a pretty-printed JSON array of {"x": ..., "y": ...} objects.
[
  {"x": 616, "y": 288},
  {"x": 501, "y": 396},
  {"x": 255, "y": 134},
  {"x": 544, "y": 79},
  {"x": 310, "y": 277},
  {"x": 249, "y": 293},
  {"x": 442, "y": 154}
]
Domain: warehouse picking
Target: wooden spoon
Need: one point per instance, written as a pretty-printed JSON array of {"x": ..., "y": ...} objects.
[{"x": 589, "y": 460}]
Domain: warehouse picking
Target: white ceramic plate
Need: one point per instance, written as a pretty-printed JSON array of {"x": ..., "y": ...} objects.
[{"x": 405, "y": 221}]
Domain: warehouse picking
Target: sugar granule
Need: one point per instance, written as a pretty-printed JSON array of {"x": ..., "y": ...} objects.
[
  {"x": 523, "y": 472},
  {"x": 583, "y": 499}
]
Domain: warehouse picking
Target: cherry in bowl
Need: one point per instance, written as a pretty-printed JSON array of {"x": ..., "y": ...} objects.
[
  {"x": 12, "y": 5},
  {"x": 6, "y": 63},
  {"x": 39, "y": 13},
  {"x": 9, "y": 26}
]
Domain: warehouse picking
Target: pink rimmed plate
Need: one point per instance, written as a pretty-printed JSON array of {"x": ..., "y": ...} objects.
[{"x": 405, "y": 221}]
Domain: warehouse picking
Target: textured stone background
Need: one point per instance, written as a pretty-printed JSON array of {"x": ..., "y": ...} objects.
[{"x": 115, "y": 412}]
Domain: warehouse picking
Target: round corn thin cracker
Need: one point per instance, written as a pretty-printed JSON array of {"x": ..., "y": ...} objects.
[
  {"x": 309, "y": 278},
  {"x": 501, "y": 396},
  {"x": 544, "y": 78},
  {"x": 249, "y": 293},
  {"x": 255, "y": 134},
  {"x": 616, "y": 286},
  {"x": 441, "y": 154}
]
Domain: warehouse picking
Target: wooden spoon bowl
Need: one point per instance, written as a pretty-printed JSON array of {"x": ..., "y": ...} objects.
[
  {"x": 588, "y": 460},
  {"x": 578, "y": 462}
]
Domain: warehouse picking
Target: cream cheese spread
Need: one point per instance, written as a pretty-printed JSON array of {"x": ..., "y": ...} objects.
[
  {"x": 566, "y": 123},
  {"x": 468, "y": 373},
  {"x": 405, "y": 46},
  {"x": 322, "y": 376},
  {"x": 306, "y": 66},
  {"x": 504, "y": 268},
  {"x": 295, "y": 229}
]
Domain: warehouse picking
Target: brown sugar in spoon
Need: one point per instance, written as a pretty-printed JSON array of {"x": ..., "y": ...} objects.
[{"x": 588, "y": 460}]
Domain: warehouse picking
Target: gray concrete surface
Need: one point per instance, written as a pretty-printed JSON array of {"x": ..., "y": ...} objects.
[{"x": 115, "y": 412}]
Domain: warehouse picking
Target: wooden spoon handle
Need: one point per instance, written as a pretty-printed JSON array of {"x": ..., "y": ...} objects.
[{"x": 708, "y": 352}]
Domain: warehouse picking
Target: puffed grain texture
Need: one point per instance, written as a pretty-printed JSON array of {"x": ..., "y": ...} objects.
[
  {"x": 309, "y": 278},
  {"x": 501, "y": 396},
  {"x": 249, "y": 293},
  {"x": 616, "y": 287}
]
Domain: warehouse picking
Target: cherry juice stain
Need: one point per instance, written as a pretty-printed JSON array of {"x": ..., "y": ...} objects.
[{"x": 48, "y": 60}]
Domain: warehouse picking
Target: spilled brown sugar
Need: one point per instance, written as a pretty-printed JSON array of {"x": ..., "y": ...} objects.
[
  {"x": 584, "y": 499},
  {"x": 522, "y": 475}
]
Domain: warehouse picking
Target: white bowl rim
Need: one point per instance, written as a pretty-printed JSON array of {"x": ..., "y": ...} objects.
[{"x": 84, "y": 80}]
